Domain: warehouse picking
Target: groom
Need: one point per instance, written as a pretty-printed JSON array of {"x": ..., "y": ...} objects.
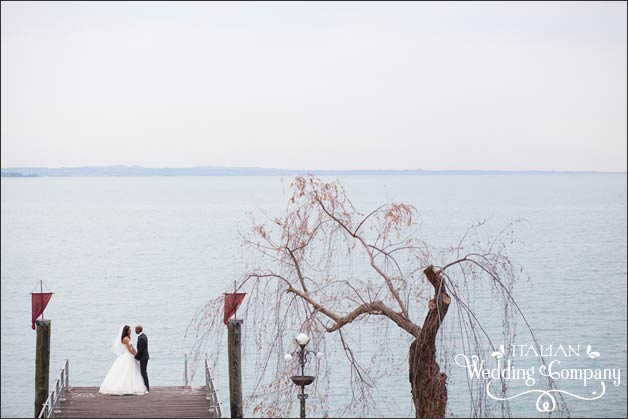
[{"x": 142, "y": 353}]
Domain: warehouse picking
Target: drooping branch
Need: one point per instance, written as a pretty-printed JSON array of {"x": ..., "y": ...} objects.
[
  {"x": 297, "y": 267},
  {"x": 317, "y": 306},
  {"x": 378, "y": 308},
  {"x": 372, "y": 308},
  {"x": 366, "y": 218},
  {"x": 367, "y": 248}
]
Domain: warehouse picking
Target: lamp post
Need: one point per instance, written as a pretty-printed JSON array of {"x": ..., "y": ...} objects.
[{"x": 302, "y": 380}]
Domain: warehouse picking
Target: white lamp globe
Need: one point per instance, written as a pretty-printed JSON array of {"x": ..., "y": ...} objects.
[
  {"x": 319, "y": 355},
  {"x": 287, "y": 357},
  {"x": 302, "y": 339}
]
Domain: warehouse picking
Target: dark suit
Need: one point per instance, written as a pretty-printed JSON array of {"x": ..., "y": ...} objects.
[{"x": 142, "y": 356}]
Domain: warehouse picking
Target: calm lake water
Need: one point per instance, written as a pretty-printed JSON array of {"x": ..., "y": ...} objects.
[{"x": 152, "y": 250}]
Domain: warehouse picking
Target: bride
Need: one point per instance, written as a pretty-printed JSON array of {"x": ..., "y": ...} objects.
[{"x": 124, "y": 377}]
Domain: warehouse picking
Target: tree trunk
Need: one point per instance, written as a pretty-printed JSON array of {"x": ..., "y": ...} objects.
[{"x": 429, "y": 384}]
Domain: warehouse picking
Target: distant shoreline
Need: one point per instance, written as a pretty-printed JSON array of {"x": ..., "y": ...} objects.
[
  {"x": 140, "y": 171},
  {"x": 17, "y": 174}
]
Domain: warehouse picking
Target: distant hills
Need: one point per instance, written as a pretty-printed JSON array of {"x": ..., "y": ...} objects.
[
  {"x": 18, "y": 174},
  {"x": 246, "y": 171}
]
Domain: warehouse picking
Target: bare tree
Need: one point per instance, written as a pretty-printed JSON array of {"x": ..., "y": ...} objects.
[{"x": 304, "y": 282}]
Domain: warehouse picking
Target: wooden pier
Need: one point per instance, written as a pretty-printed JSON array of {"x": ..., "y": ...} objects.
[{"x": 162, "y": 402}]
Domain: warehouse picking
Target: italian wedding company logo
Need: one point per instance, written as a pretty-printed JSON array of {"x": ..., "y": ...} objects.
[{"x": 593, "y": 380}]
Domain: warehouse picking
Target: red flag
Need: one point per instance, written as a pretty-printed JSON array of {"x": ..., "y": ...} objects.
[
  {"x": 232, "y": 302},
  {"x": 39, "y": 302}
]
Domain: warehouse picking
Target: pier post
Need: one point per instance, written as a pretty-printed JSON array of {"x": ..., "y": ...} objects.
[
  {"x": 234, "y": 343},
  {"x": 185, "y": 370},
  {"x": 42, "y": 364}
]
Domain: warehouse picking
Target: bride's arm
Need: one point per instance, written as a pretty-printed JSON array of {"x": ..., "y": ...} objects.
[{"x": 129, "y": 346}]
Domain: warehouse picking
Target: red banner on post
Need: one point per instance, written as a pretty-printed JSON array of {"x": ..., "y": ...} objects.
[
  {"x": 39, "y": 302},
  {"x": 232, "y": 302}
]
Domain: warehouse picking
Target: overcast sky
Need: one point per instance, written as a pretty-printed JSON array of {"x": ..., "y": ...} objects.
[{"x": 315, "y": 86}]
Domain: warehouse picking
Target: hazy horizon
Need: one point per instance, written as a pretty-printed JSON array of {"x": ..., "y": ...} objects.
[
  {"x": 315, "y": 86},
  {"x": 79, "y": 166},
  {"x": 262, "y": 168}
]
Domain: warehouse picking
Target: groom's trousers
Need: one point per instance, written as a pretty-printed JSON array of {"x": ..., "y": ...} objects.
[{"x": 143, "y": 364}]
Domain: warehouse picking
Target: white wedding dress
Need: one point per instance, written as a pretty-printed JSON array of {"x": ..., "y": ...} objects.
[{"x": 124, "y": 377}]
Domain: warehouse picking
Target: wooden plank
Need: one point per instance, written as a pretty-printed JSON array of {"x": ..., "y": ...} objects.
[{"x": 173, "y": 402}]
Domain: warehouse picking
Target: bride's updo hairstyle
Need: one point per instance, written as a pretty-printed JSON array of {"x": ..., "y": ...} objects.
[{"x": 125, "y": 332}]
